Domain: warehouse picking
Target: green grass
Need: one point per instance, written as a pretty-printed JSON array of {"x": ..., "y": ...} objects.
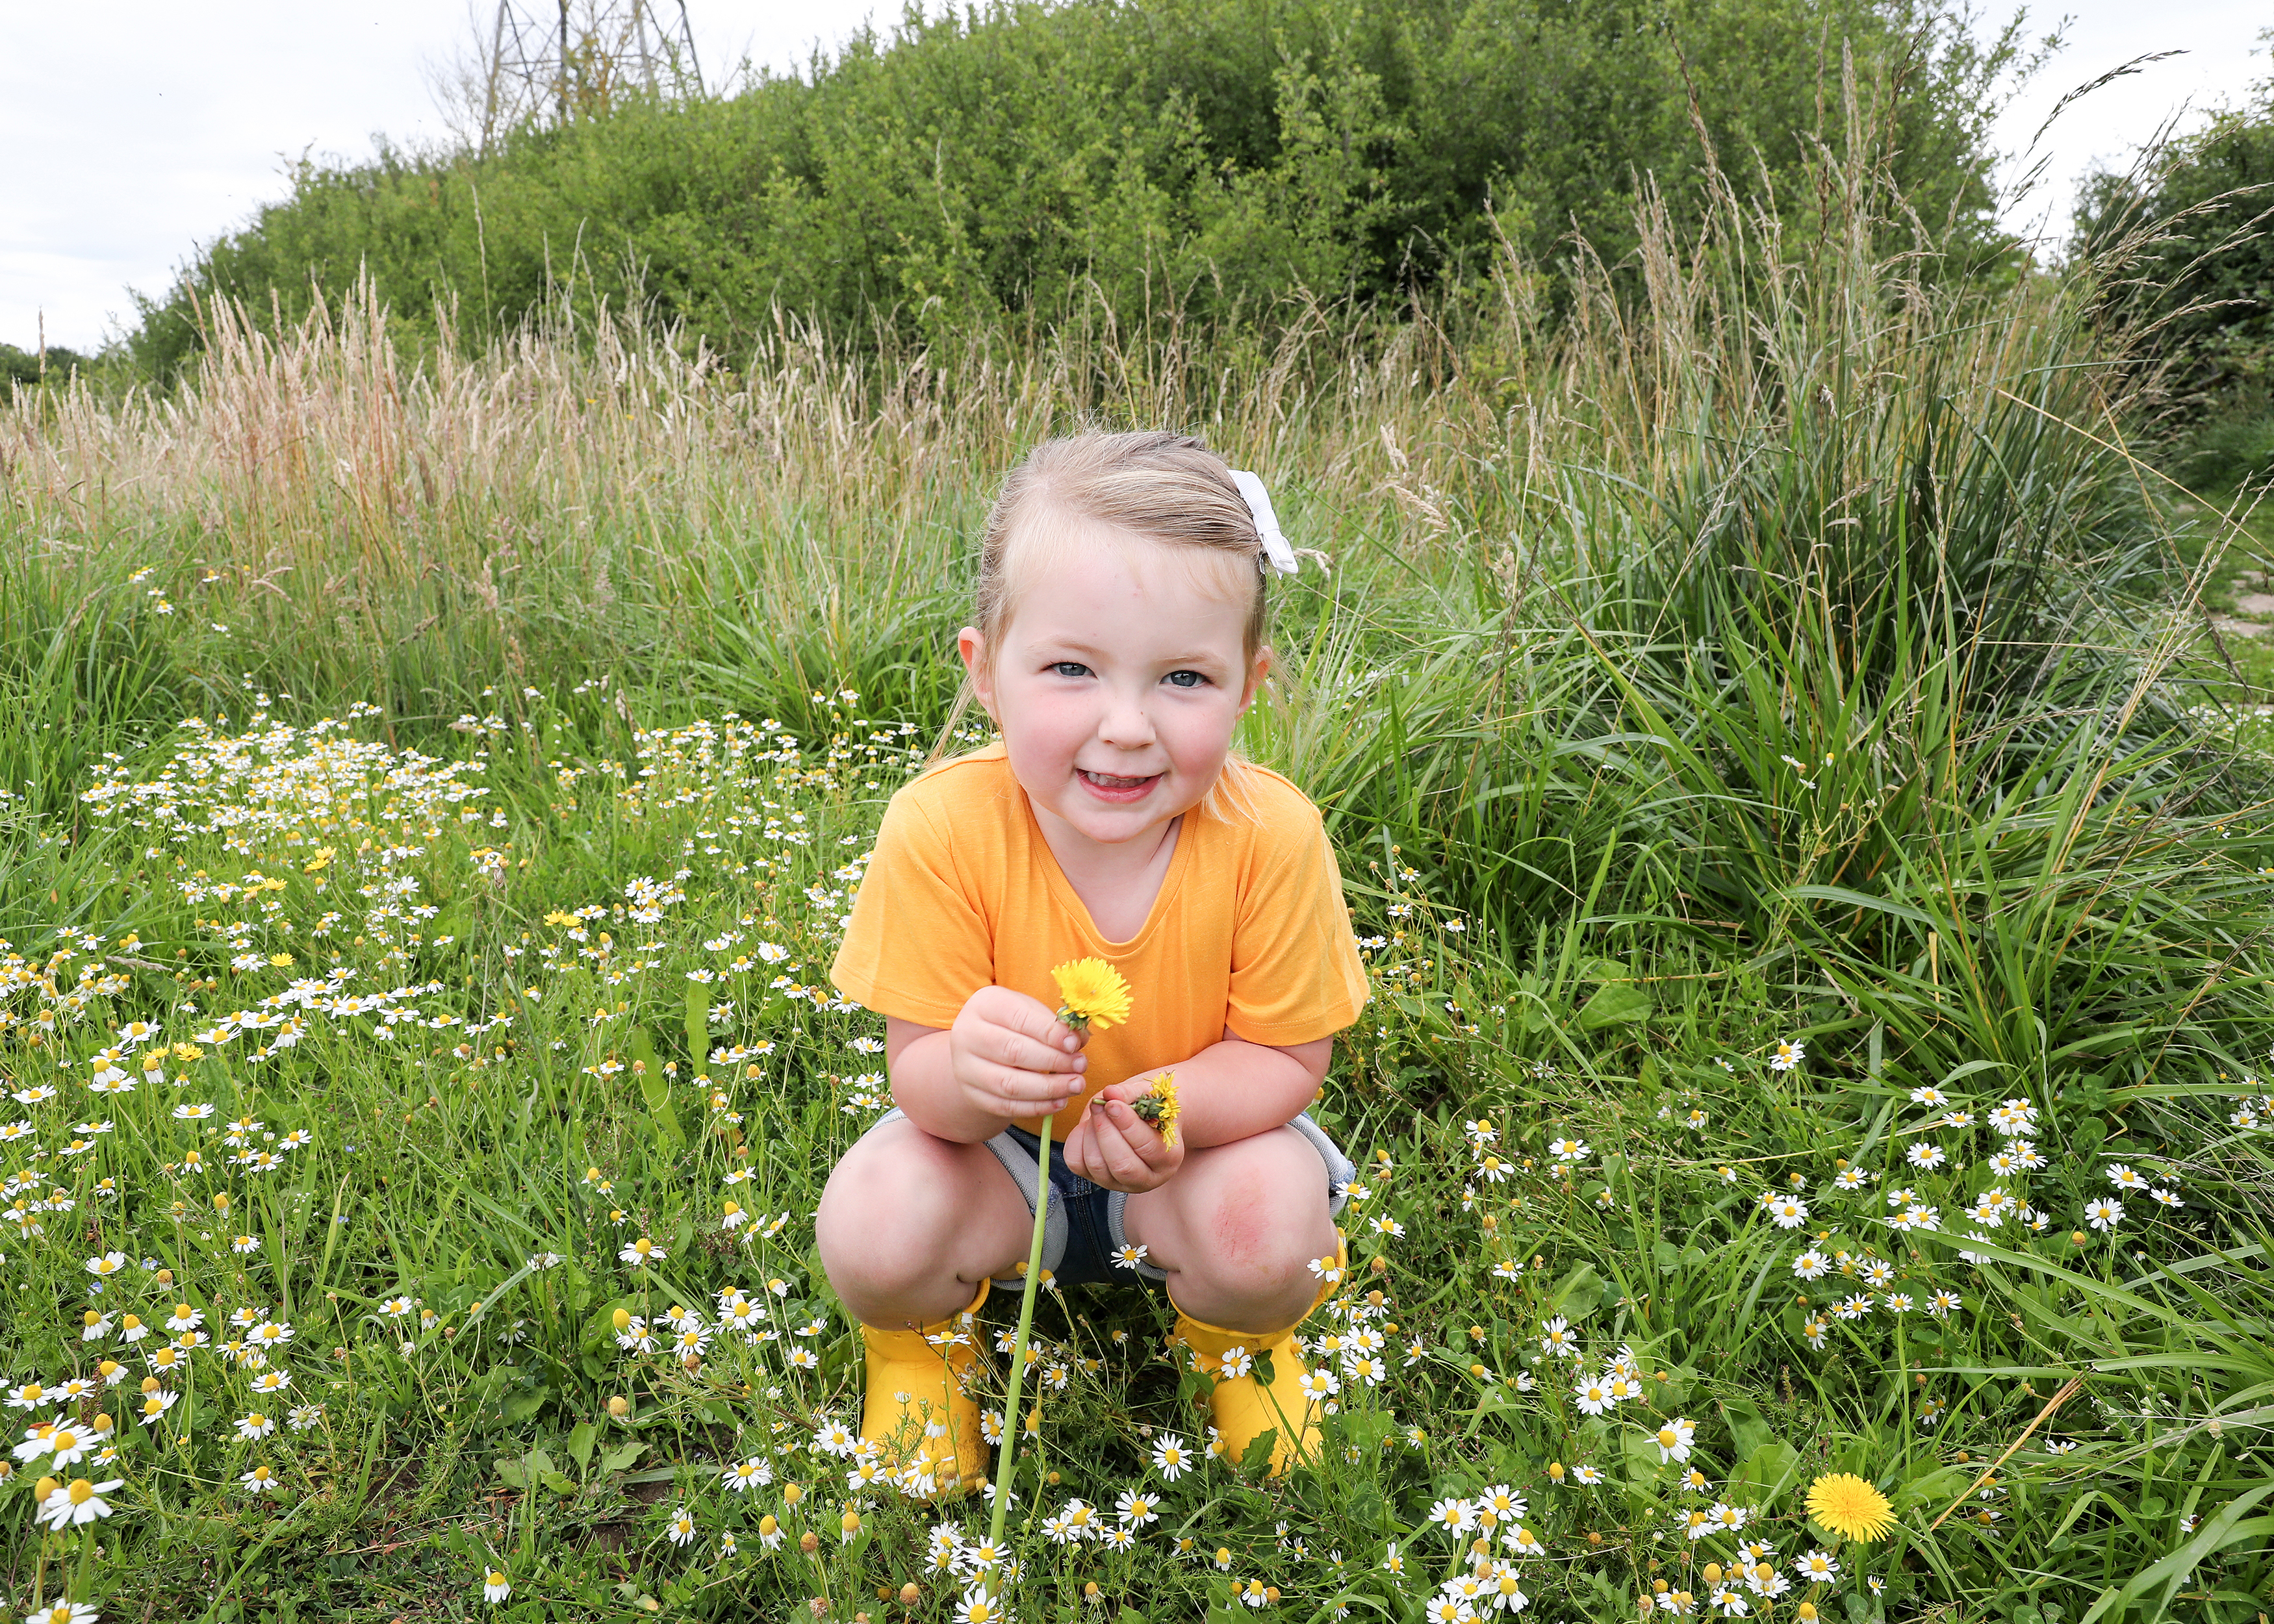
[
  {"x": 1784, "y": 658},
  {"x": 2235, "y": 532},
  {"x": 442, "y": 1161}
]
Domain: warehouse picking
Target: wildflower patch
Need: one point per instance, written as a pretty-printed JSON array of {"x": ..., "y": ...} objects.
[{"x": 468, "y": 1117}]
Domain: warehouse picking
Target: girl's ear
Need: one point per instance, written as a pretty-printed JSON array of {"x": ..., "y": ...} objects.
[
  {"x": 978, "y": 663},
  {"x": 1262, "y": 668}
]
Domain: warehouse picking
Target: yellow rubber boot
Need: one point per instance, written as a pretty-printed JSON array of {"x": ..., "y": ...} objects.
[
  {"x": 915, "y": 1405},
  {"x": 1244, "y": 1408}
]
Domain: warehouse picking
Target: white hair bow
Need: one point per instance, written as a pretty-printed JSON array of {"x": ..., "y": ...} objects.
[{"x": 1267, "y": 522}]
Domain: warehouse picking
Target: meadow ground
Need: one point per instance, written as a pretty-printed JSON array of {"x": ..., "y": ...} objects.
[{"x": 1813, "y": 889}]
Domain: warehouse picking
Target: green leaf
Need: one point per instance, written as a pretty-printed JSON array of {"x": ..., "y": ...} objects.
[
  {"x": 1578, "y": 1294},
  {"x": 1615, "y": 1006},
  {"x": 600, "y": 1325},
  {"x": 1493, "y": 1400},
  {"x": 698, "y": 1027},
  {"x": 511, "y": 1472},
  {"x": 1937, "y": 1487},
  {"x": 519, "y": 1406},
  {"x": 1845, "y": 898},
  {"x": 1367, "y": 1428},
  {"x": 1768, "y": 1466},
  {"x": 1255, "y": 1460},
  {"x": 1747, "y": 1429},
  {"x": 623, "y": 1456},
  {"x": 1642, "y": 1448},
  {"x": 580, "y": 1444},
  {"x": 1958, "y": 1073},
  {"x": 654, "y": 1086},
  {"x": 2229, "y": 1527},
  {"x": 640, "y": 1048}
]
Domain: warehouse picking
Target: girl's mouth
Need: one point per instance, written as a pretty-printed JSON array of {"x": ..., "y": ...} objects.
[{"x": 1108, "y": 788}]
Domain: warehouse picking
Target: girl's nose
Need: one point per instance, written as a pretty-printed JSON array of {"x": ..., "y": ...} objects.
[{"x": 1125, "y": 721}]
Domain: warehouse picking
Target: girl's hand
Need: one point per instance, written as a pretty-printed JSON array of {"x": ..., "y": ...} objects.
[
  {"x": 1112, "y": 1147},
  {"x": 1012, "y": 1057}
]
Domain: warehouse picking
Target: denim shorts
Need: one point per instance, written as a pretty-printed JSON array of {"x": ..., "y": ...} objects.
[{"x": 1083, "y": 1228}]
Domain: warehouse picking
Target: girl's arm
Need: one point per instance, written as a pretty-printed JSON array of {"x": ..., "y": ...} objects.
[
  {"x": 1229, "y": 1091},
  {"x": 1234, "y": 1089},
  {"x": 1007, "y": 1056}
]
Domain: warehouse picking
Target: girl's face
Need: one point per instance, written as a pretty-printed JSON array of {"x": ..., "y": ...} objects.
[{"x": 1117, "y": 685}]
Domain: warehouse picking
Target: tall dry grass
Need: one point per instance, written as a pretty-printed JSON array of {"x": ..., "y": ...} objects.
[
  {"x": 314, "y": 460},
  {"x": 1742, "y": 449}
]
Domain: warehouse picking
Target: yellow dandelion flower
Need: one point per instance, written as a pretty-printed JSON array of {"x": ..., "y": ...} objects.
[
  {"x": 1850, "y": 1507},
  {"x": 1092, "y": 992},
  {"x": 1157, "y": 1106}
]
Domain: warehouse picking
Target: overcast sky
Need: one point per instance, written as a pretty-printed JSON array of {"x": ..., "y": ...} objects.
[{"x": 135, "y": 131}]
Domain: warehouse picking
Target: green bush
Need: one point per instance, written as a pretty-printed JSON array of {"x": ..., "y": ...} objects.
[
  {"x": 2226, "y": 451},
  {"x": 2198, "y": 289},
  {"x": 1209, "y": 158}
]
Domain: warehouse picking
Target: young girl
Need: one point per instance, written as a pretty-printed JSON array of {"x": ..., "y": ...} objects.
[{"x": 1118, "y": 639}]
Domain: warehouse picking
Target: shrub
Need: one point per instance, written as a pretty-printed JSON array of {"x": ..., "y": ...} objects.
[
  {"x": 2198, "y": 299},
  {"x": 1186, "y": 159}
]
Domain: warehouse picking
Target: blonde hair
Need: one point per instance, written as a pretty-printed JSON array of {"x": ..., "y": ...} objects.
[{"x": 1168, "y": 488}]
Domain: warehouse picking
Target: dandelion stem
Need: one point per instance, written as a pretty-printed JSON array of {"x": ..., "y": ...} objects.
[
  {"x": 1903, "y": 1383},
  {"x": 1012, "y": 1426}
]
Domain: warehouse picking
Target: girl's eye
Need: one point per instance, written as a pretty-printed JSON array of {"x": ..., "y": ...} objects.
[
  {"x": 1197, "y": 679},
  {"x": 1069, "y": 668}
]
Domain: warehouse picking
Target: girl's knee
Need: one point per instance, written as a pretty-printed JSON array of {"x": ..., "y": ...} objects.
[
  {"x": 897, "y": 1220},
  {"x": 883, "y": 1213},
  {"x": 1266, "y": 1218}
]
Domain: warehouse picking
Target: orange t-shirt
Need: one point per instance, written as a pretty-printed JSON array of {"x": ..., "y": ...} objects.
[{"x": 1249, "y": 930}]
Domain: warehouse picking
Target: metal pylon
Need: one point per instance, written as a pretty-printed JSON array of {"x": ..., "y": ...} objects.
[{"x": 574, "y": 58}]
